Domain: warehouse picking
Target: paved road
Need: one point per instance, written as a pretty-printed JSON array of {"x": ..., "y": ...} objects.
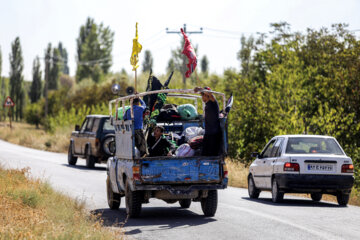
[{"x": 237, "y": 217}]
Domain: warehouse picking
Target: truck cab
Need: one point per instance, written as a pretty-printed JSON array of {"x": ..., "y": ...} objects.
[{"x": 182, "y": 179}]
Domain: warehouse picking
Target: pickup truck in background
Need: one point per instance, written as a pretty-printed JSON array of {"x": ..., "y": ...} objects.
[
  {"x": 94, "y": 141},
  {"x": 169, "y": 178}
]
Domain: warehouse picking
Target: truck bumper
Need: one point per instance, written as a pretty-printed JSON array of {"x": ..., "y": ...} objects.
[
  {"x": 308, "y": 183},
  {"x": 181, "y": 189}
]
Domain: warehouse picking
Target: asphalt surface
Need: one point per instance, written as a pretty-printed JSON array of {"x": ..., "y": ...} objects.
[{"x": 237, "y": 216}]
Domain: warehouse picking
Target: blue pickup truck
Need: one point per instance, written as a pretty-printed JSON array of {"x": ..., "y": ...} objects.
[{"x": 169, "y": 178}]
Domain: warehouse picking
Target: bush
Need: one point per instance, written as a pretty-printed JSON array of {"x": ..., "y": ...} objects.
[{"x": 34, "y": 114}]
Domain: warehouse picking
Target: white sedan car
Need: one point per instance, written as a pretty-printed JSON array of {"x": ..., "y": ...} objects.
[{"x": 302, "y": 164}]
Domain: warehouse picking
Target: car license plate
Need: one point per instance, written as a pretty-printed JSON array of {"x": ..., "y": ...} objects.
[{"x": 320, "y": 167}]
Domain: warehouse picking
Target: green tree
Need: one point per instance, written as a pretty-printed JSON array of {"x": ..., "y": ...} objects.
[
  {"x": 204, "y": 64},
  {"x": 64, "y": 68},
  {"x": 94, "y": 47},
  {"x": 55, "y": 64},
  {"x": 36, "y": 85},
  {"x": 148, "y": 61},
  {"x": 17, "y": 79},
  {"x": 0, "y": 62}
]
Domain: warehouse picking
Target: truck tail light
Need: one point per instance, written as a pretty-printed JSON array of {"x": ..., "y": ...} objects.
[
  {"x": 225, "y": 171},
  {"x": 97, "y": 142},
  {"x": 347, "y": 168},
  {"x": 136, "y": 172},
  {"x": 291, "y": 167}
]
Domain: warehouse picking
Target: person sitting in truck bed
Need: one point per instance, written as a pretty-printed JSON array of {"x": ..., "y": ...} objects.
[
  {"x": 138, "y": 108},
  {"x": 159, "y": 145}
]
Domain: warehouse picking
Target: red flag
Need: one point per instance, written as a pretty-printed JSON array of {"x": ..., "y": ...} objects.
[{"x": 190, "y": 53}]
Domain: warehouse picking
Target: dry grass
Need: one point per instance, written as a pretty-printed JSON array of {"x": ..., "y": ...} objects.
[
  {"x": 237, "y": 173},
  {"x": 31, "y": 209},
  {"x": 27, "y": 135}
]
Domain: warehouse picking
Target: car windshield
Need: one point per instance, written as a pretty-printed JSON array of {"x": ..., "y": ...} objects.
[
  {"x": 107, "y": 125},
  {"x": 313, "y": 145}
]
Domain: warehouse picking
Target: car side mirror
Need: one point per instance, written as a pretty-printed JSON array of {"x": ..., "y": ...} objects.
[
  {"x": 255, "y": 155},
  {"x": 77, "y": 128}
]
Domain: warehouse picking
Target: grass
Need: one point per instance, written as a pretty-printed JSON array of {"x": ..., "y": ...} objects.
[
  {"x": 27, "y": 135},
  {"x": 238, "y": 173},
  {"x": 31, "y": 209}
]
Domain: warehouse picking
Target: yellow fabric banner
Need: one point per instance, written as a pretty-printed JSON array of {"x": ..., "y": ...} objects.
[{"x": 135, "y": 51}]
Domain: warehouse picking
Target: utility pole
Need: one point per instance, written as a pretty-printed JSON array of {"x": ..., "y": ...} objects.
[{"x": 183, "y": 69}]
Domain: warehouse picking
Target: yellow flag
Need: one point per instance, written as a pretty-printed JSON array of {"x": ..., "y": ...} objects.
[{"x": 135, "y": 51}]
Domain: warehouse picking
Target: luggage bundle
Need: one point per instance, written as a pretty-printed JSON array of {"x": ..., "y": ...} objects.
[
  {"x": 187, "y": 111},
  {"x": 185, "y": 151},
  {"x": 168, "y": 113}
]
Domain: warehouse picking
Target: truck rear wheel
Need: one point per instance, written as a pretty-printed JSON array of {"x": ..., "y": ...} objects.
[
  {"x": 113, "y": 199},
  {"x": 71, "y": 159},
  {"x": 90, "y": 160},
  {"x": 185, "y": 203},
  {"x": 209, "y": 204},
  {"x": 133, "y": 202}
]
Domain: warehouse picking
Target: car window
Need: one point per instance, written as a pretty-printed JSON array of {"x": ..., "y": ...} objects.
[
  {"x": 277, "y": 148},
  {"x": 89, "y": 125},
  {"x": 96, "y": 124},
  {"x": 313, "y": 145},
  {"x": 107, "y": 125},
  {"x": 83, "y": 126},
  {"x": 268, "y": 150}
]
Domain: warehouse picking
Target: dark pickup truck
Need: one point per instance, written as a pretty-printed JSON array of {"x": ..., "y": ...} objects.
[
  {"x": 170, "y": 178},
  {"x": 94, "y": 141}
]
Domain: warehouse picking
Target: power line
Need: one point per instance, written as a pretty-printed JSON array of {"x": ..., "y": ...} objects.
[{"x": 187, "y": 32}]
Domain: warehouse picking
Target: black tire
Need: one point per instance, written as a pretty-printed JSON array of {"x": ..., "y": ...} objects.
[
  {"x": 71, "y": 159},
  {"x": 114, "y": 199},
  {"x": 133, "y": 200},
  {"x": 90, "y": 160},
  {"x": 316, "y": 197},
  {"x": 277, "y": 196},
  {"x": 185, "y": 203},
  {"x": 252, "y": 190},
  {"x": 209, "y": 204},
  {"x": 343, "y": 199},
  {"x": 108, "y": 145}
]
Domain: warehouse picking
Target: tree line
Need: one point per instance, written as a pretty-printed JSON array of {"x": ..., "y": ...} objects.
[
  {"x": 94, "y": 60},
  {"x": 288, "y": 83}
]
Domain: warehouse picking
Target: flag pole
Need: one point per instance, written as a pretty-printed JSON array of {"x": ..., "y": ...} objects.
[{"x": 135, "y": 80}]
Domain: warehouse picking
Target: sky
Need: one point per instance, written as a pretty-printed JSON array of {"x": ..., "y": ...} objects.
[{"x": 39, "y": 22}]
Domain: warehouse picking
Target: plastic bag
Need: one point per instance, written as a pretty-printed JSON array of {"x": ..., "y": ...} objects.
[
  {"x": 185, "y": 151},
  {"x": 187, "y": 111},
  {"x": 192, "y": 132},
  {"x": 120, "y": 112}
]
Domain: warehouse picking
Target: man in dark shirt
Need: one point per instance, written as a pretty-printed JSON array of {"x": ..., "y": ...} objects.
[
  {"x": 212, "y": 143},
  {"x": 159, "y": 145}
]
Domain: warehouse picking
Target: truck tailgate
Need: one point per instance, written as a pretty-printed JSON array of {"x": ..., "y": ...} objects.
[{"x": 181, "y": 170}]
